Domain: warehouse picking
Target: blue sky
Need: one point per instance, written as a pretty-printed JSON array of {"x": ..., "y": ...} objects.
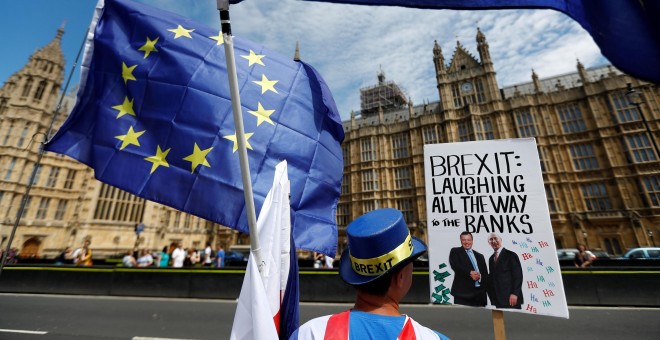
[
  {"x": 31, "y": 24},
  {"x": 348, "y": 44}
]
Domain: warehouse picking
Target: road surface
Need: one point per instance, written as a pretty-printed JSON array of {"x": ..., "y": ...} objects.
[{"x": 51, "y": 317}]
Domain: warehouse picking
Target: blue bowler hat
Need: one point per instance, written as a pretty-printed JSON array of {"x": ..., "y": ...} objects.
[{"x": 378, "y": 241}]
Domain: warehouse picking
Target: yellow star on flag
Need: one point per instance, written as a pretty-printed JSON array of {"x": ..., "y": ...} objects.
[
  {"x": 181, "y": 32},
  {"x": 266, "y": 84},
  {"x": 218, "y": 38},
  {"x": 158, "y": 159},
  {"x": 148, "y": 47},
  {"x": 127, "y": 72},
  {"x": 198, "y": 157},
  {"x": 254, "y": 58},
  {"x": 262, "y": 114},
  {"x": 235, "y": 140},
  {"x": 125, "y": 108},
  {"x": 131, "y": 137}
]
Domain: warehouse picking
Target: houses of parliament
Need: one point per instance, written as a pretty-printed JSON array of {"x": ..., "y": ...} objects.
[{"x": 597, "y": 148}]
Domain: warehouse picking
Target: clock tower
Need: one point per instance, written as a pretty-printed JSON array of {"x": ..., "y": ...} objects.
[{"x": 466, "y": 80}]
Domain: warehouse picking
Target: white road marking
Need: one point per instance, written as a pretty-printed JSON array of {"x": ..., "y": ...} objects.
[
  {"x": 150, "y": 338},
  {"x": 22, "y": 331}
]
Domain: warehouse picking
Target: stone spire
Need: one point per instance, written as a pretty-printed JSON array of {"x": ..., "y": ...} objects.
[
  {"x": 481, "y": 38},
  {"x": 53, "y": 51},
  {"x": 353, "y": 122},
  {"x": 444, "y": 89},
  {"x": 536, "y": 82},
  {"x": 582, "y": 72},
  {"x": 438, "y": 59},
  {"x": 484, "y": 54}
]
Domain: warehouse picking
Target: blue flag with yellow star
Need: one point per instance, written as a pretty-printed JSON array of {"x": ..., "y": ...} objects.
[{"x": 153, "y": 117}]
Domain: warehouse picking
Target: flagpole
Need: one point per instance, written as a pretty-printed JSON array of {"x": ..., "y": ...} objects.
[
  {"x": 223, "y": 7},
  {"x": 40, "y": 155}
]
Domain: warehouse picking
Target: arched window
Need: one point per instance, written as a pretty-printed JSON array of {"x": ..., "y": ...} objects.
[
  {"x": 612, "y": 245},
  {"x": 8, "y": 135},
  {"x": 21, "y": 139},
  {"x": 27, "y": 87},
  {"x": 40, "y": 90},
  {"x": 53, "y": 92},
  {"x": 12, "y": 163}
]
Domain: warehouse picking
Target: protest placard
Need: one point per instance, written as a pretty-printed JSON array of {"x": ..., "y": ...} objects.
[{"x": 493, "y": 193}]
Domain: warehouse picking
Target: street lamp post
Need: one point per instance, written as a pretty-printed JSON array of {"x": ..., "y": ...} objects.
[
  {"x": 635, "y": 98},
  {"x": 651, "y": 237}
]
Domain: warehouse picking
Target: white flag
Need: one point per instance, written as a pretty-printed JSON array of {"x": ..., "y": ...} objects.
[{"x": 260, "y": 300}]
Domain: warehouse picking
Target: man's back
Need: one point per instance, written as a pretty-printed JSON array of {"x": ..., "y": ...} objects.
[
  {"x": 363, "y": 325},
  {"x": 378, "y": 262}
]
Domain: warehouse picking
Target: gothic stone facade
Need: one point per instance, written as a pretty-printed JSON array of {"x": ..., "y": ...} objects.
[
  {"x": 600, "y": 169},
  {"x": 601, "y": 172},
  {"x": 66, "y": 205}
]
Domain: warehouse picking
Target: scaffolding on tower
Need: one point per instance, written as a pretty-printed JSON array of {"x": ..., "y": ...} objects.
[{"x": 386, "y": 95}]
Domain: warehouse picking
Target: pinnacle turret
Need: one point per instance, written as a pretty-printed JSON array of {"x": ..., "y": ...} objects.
[
  {"x": 53, "y": 51},
  {"x": 536, "y": 82},
  {"x": 482, "y": 46},
  {"x": 438, "y": 58},
  {"x": 582, "y": 72},
  {"x": 481, "y": 38}
]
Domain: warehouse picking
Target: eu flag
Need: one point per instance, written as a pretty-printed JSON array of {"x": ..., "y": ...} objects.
[
  {"x": 626, "y": 31},
  {"x": 153, "y": 117}
]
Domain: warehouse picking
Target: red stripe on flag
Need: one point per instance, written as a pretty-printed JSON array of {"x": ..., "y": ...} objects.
[
  {"x": 337, "y": 327},
  {"x": 408, "y": 332},
  {"x": 276, "y": 318}
]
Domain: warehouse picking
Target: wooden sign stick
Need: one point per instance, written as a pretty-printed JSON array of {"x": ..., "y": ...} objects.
[{"x": 498, "y": 325}]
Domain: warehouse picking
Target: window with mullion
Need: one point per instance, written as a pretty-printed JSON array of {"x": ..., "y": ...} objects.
[
  {"x": 584, "y": 157},
  {"x": 402, "y": 178},
  {"x": 464, "y": 131},
  {"x": 596, "y": 197},
  {"x": 571, "y": 118},
  {"x": 368, "y": 151},
  {"x": 625, "y": 112},
  {"x": 640, "y": 148},
  {"x": 400, "y": 146},
  {"x": 652, "y": 188},
  {"x": 370, "y": 180},
  {"x": 526, "y": 124},
  {"x": 430, "y": 135}
]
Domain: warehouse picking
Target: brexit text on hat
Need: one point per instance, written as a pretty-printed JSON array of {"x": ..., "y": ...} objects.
[{"x": 381, "y": 264}]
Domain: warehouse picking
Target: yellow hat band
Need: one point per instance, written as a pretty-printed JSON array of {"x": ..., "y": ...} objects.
[{"x": 379, "y": 265}]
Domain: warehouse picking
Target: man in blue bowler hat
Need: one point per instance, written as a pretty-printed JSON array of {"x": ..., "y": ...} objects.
[{"x": 378, "y": 263}]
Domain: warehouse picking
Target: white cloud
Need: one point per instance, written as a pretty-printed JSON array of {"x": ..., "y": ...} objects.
[{"x": 348, "y": 43}]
